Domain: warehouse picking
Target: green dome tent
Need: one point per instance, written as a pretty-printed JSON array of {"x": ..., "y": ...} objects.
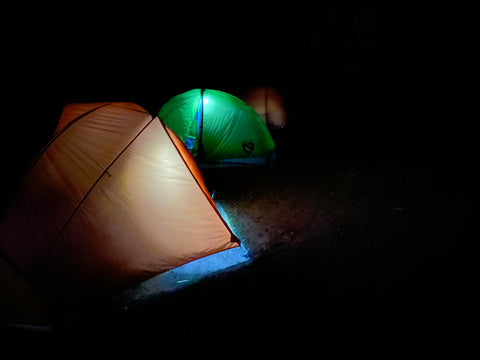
[{"x": 219, "y": 129}]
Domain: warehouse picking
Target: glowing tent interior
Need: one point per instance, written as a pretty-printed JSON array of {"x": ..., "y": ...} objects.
[
  {"x": 219, "y": 129},
  {"x": 268, "y": 103},
  {"x": 114, "y": 199}
]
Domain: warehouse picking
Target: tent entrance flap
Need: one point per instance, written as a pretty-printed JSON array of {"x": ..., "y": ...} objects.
[{"x": 193, "y": 142}]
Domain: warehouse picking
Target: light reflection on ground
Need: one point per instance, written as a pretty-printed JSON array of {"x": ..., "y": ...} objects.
[{"x": 190, "y": 273}]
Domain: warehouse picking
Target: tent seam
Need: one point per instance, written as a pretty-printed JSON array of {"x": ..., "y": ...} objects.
[
  {"x": 52, "y": 140},
  {"x": 105, "y": 171}
]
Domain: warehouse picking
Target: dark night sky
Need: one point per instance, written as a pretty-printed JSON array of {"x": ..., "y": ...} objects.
[{"x": 355, "y": 73}]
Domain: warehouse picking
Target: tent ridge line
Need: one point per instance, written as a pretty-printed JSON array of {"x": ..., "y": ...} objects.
[
  {"x": 65, "y": 128},
  {"x": 79, "y": 117},
  {"x": 80, "y": 203}
]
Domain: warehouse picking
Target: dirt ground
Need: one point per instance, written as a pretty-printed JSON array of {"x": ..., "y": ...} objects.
[
  {"x": 347, "y": 261},
  {"x": 350, "y": 259}
]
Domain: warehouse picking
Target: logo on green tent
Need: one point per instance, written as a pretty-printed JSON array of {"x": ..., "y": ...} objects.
[{"x": 248, "y": 146}]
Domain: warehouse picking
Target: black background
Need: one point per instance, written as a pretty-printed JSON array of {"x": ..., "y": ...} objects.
[{"x": 395, "y": 77}]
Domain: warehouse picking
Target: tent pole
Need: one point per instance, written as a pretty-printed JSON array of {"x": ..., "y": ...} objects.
[{"x": 201, "y": 153}]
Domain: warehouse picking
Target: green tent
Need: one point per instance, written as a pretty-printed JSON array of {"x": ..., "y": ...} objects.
[{"x": 219, "y": 129}]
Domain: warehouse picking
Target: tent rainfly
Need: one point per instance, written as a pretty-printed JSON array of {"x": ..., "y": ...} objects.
[
  {"x": 114, "y": 199},
  {"x": 219, "y": 129}
]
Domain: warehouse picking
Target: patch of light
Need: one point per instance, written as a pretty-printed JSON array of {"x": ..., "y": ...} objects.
[
  {"x": 205, "y": 100},
  {"x": 190, "y": 273}
]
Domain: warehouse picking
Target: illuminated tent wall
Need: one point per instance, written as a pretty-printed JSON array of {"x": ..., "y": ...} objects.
[
  {"x": 268, "y": 103},
  {"x": 114, "y": 199},
  {"x": 218, "y": 128}
]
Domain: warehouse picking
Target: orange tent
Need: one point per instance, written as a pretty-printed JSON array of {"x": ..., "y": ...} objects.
[{"x": 114, "y": 199}]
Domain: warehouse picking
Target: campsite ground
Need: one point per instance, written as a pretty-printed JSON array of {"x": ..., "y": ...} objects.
[{"x": 355, "y": 254}]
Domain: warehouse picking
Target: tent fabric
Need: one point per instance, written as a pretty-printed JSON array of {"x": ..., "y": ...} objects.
[
  {"x": 114, "y": 199},
  {"x": 218, "y": 128},
  {"x": 268, "y": 103}
]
